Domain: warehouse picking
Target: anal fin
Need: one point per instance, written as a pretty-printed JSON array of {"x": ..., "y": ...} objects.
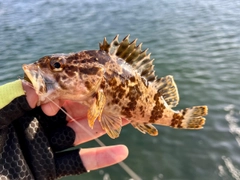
[
  {"x": 145, "y": 128},
  {"x": 111, "y": 123},
  {"x": 96, "y": 109},
  {"x": 168, "y": 90}
]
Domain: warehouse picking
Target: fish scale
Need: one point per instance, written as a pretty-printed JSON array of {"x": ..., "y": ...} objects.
[{"x": 118, "y": 81}]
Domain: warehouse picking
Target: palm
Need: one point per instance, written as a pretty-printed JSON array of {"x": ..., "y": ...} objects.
[
  {"x": 75, "y": 110},
  {"x": 93, "y": 158},
  {"x": 77, "y": 117},
  {"x": 78, "y": 121}
]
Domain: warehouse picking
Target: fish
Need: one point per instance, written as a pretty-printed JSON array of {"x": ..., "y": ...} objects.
[{"x": 117, "y": 81}]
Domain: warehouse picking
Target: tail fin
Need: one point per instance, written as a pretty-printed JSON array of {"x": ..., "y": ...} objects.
[{"x": 190, "y": 118}]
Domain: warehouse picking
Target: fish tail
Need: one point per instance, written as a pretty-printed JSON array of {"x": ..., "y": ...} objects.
[{"x": 190, "y": 118}]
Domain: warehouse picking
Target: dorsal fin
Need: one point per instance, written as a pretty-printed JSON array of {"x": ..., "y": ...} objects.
[
  {"x": 168, "y": 90},
  {"x": 132, "y": 54}
]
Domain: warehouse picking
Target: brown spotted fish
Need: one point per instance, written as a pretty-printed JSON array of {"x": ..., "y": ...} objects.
[{"x": 118, "y": 81}]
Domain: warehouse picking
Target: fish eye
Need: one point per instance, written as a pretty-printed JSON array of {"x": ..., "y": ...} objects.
[{"x": 57, "y": 65}]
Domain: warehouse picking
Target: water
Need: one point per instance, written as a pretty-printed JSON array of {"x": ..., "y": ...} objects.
[{"x": 198, "y": 42}]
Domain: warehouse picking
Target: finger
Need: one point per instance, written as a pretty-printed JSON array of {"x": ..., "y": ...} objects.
[
  {"x": 31, "y": 96},
  {"x": 95, "y": 158},
  {"x": 84, "y": 133},
  {"x": 51, "y": 108}
]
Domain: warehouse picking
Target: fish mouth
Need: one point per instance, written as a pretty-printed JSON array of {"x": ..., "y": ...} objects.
[{"x": 33, "y": 74}]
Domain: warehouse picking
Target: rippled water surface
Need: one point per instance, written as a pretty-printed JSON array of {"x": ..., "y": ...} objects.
[{"x": 198, "y": 42}]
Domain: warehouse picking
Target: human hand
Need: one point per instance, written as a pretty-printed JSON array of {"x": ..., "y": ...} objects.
[{"x": 92, "y": 158}]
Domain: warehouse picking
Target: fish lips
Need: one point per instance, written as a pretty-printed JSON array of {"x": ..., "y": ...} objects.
[{"x": 34, "y": 75}]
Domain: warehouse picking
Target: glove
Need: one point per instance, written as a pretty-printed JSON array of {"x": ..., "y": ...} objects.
[{"x": 30, "y": 143}]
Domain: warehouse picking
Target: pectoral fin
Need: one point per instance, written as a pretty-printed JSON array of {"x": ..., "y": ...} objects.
[
  {"x": 96, "y": 109},
  {"x": 145, "y": 128},
  {"x": 111, "y": 123}
]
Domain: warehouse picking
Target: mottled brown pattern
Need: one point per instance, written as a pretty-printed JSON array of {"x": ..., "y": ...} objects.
[
  {"x": 57, "y": 77},
  {"x": 157, "y": 110},
  {"x": 89, "y": 71},
  {"x": 117, "y": 68},
  {"x": 63, "y": 85},
  {"x": 42, "y": 89},
  {"x": 103, "y": 84},
  {"x": 132, "y": 79},
  {"x": 64, "y": 77},
  {"x": 142, "y": 112},
  {"x": 60, "y": 79},
  {"x": 74, "y": 58},
  {"x": 112, "y": 82},
  {"x": 77, "y": 58},
  {"x": 70, "y": 70},
  {"x": 126, "y": 112},
  {"x": 101, "y": 56},
  {"x": 177, "y": 120},
  {"x": 123, "y": 75},
  {"x": 115, "y": 101},
  {"x": 88, "y": 85},
  {"x": 133, "y": 96},
  {"x": 120, "y": 91},
  {"x": 44, "y": 62},
  {"x": 117, "y": 90}
]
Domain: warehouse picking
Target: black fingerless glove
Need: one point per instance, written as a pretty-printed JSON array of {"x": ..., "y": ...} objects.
[{"x": 30, "y": 144}]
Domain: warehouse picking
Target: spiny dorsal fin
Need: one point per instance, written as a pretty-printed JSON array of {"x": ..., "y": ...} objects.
[
  {"x": 168, "y": 90},
  {"x": 132, "y": 54}
]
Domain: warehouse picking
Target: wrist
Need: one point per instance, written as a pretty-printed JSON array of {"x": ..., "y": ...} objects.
[
  {"x": 10, "y": 91},
  {"x": 15, "y": 99}
]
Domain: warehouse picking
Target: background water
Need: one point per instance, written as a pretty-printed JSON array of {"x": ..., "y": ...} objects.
[{"x": 198, "y": 42}]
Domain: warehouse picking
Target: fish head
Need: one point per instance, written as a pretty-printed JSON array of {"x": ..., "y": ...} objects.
[{"x": 56, "y": 77}]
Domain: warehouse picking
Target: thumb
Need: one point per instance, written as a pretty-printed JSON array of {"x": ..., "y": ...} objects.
[
  {"x": 49, "y": 109},
  {"x": 95, "y": 158},
  {"x": 77, "y": 162},
  {"x": 31, "y": 96}
]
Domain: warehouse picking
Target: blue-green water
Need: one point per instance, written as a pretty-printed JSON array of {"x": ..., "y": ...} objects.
[{"x": 198, "y": 42}]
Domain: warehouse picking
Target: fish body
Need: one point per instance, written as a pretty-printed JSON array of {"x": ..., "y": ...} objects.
[{"x": 118, "y": 81}]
